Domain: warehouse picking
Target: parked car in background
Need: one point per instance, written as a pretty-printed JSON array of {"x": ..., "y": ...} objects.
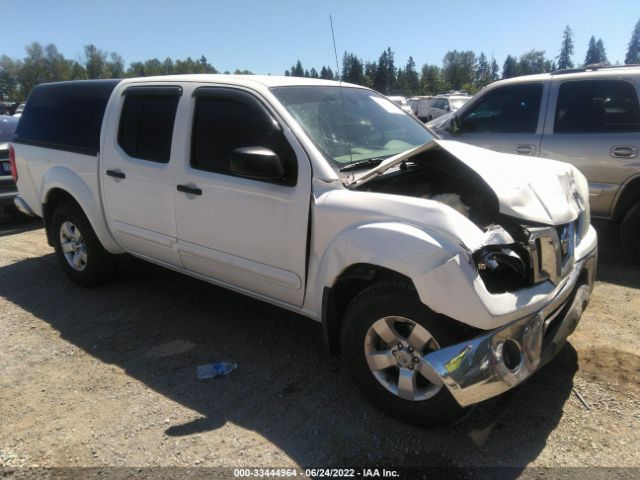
[
  {"x": 589, "y": 117},
  {"x": 401, "y": 102},
  {"x": 8, "y": 190},
  {"x": 446, "y": 103},
  {"x": 8, "y": 108},
  {"x": 19, "y": 110},
  {"x": 420, "y": 107}
]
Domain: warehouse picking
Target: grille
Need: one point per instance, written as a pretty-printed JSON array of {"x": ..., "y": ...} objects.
[{"x": 552, "y": 252}]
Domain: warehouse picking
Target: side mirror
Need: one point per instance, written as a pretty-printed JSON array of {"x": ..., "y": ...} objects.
[
  {"x": 447, "y": 108},
  {"x": 258, "y": 163}
]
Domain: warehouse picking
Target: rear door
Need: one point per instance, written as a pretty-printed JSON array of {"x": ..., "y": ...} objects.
[
  {"x": 136, "y": 170},
  {"x": 507, "y": 119},
  {"x": 246, "y": 233},
  {"x": 595, "y": 125}
]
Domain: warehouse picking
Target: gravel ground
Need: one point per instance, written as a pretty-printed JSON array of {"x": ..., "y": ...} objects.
[{"x": 105, "y": 377}]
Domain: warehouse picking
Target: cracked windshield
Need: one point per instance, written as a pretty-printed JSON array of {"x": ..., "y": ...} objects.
[{"x": 350, "y": 125}]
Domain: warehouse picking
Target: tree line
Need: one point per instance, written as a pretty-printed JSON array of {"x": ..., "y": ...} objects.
[
  {"x": 46, "y": 64},
  {"x": 460, "y": 70}
]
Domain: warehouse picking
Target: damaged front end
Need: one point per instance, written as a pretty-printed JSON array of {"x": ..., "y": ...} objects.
[
  {"x": 526, "y": 277},
  {"x": 516, "y": 251}
]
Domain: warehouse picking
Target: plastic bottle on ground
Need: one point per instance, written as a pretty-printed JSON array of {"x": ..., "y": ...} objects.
[{"x": 218, "y": 369}]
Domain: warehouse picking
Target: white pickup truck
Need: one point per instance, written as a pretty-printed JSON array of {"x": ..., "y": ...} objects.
[{"x": 443, "y": 273}]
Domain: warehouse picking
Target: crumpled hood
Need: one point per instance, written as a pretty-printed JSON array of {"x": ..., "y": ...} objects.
[{"x": 534, "y": 189}]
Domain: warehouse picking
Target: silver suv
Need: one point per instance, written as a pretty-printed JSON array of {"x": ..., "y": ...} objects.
[{"x": 589, "y": 117}]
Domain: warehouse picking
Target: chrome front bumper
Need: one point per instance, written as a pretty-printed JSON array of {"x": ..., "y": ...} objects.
[{"x": 497, "y": 361}]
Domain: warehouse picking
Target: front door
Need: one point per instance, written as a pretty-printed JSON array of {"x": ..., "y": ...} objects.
[{"x": 245, "y": 233}]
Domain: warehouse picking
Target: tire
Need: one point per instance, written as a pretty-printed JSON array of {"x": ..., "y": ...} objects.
[
  {"x": 630, "y": 233},
  {"x": 391, "y": 303},
  {"x": 83, "y": 258}
]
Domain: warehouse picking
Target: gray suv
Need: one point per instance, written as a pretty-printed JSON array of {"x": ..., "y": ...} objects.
[{"x": 588, "y": 117}]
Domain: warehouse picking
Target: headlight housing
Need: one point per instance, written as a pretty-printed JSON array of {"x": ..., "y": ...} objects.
[{"x": 502, "y": 268}]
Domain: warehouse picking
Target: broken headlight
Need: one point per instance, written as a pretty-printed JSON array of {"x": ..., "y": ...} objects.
[{"x": 503, "y": 268}]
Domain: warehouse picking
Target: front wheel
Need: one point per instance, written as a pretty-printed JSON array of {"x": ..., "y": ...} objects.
[
  {"x": 79, "y": 252},
  {"x": 386, "y": 333}
]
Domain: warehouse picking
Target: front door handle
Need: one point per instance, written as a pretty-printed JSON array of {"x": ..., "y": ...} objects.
[
  {"x": 526, "y": 149},
  {"x": 115, "y": 174},
  {"x": 189, "y": 190},
  {"x": 624, "y": 151}
]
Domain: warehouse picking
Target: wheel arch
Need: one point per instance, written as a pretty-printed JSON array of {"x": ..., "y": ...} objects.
[
  {"x": 365, "y": 254},
  {"x": 61, "y": 185},
  {"x": 628, "y": 195},
  {"x": 346, "y": 287}
]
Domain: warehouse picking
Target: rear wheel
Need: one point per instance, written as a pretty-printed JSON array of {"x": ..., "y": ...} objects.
[
  {"x": 630, "y": 233},
  {"x": 386, "y": 333},
  {"x": 80, "y": 253}
]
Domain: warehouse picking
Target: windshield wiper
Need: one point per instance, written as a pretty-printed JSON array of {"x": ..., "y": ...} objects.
[{"x": 368, "y": 163}]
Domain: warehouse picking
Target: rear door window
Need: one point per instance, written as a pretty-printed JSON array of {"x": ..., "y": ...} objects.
[
  {"x": 146, "y": 122},
  {"x": 508, "y": 109},
  {"x": 597, "y": 106}
]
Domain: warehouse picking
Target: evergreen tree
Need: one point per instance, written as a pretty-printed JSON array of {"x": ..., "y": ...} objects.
[
  {"x": 510, "y": 67},
  {"x": 595, "y": 52},
  {"x": 482, "y": 75},
  {"x": 370, "y": 69},
  {"x": 430, "y": 80},
  {"x": 411, "y": 81},
  {"x": 352, "y": 69},
  {"x": 564, "y": 59},
  {"x": 297, "y": 70},
  {"x": 312, "y": 73},
  {"x": 167, "y": 66},
  {"x": 385, "y": 79},
  {"x": 633, "y": 51},
  {"x": 495, "y": 70},
  {"x": 326, "y": 73},
  {"x": 77, "y": 72},
  {"x": 602, "y": 53}
]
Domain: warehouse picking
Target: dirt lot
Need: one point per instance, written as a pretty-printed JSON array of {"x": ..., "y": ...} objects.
[{"x": 106, "y": 377}]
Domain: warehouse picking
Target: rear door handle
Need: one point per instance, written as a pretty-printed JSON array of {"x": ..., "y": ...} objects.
[
  {"x": 526, "y": 149},
  {"x": 190, "y": 190},
  {"x": 116, "y": 174},
  {"x": 624, "y": 151}
]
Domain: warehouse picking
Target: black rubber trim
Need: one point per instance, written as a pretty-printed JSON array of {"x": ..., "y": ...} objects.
[
  {"x": 65, "y": 148},
  {"x": 160, "y": 90}
]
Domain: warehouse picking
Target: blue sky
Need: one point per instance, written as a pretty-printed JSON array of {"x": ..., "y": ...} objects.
[{"x": 269, "y": 36}]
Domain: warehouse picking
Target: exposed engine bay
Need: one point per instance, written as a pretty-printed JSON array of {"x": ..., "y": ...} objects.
[{"x": 505, "y": 261}]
